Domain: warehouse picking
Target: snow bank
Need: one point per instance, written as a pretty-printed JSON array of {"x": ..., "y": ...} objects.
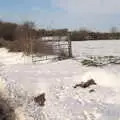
[
  {"x": 7, "y": 57},
  {"x": 103, "y": 77}
]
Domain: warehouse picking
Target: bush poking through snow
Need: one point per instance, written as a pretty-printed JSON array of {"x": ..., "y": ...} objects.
[
  {"x": 89, "y": 63},
  {"x": 18, "y": 104},
  {"x": 85, "y": 84},
  {"x": 92, "y": 90},
  {"x": 40, "y": 100},
  {"x": 6, "y": 111},
  {"x": 100, "y": 61}
]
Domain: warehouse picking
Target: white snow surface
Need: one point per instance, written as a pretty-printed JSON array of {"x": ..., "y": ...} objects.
[
  {"x": 7, "y": 58},
  {"x": 56, "y": 80}
]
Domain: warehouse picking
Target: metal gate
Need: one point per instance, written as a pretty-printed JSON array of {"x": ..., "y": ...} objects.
[{"x": 55, "y": 47}]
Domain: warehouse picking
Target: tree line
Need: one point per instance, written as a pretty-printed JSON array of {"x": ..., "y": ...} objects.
[
  {"x": 9, "y": 31},
  {"x": 26, "y": 38},
  {"x": 83, "y": 35},
  {"x": 21, "y": 37}
]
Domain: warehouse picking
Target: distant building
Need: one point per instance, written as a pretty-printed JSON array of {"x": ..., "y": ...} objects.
[{"x": 54, "y": 38}]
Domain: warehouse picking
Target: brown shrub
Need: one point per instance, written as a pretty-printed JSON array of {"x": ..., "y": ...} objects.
[
  {"x": 42, "y": 47},
  {"x": 6, "y": 111}
]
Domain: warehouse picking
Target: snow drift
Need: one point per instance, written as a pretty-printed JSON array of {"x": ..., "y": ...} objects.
[
  {"x": 7, "y": 58},
  {"x": 103, "y": 77}
]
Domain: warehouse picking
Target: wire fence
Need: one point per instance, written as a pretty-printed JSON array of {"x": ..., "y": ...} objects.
[{"x": 54, "y": 47}]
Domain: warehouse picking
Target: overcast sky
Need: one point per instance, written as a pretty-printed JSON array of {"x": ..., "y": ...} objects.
[{"x": 73, "y": 14}]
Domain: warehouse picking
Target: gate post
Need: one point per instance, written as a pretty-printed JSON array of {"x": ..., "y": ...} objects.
[{"x": 69, "y": 46}]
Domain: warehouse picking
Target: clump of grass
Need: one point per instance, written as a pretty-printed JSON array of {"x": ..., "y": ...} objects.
[
  {"x": 89, "y": 62},
  {"x": 100, "y": 61}
]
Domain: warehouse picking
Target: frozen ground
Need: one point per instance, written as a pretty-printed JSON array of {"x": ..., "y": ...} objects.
[{"x": 63, "y": 102}]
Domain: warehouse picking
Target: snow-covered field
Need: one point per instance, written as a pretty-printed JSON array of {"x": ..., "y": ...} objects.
[
  {"x": 101, "y": 48},
  {"x": 56, "y": 80}
]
